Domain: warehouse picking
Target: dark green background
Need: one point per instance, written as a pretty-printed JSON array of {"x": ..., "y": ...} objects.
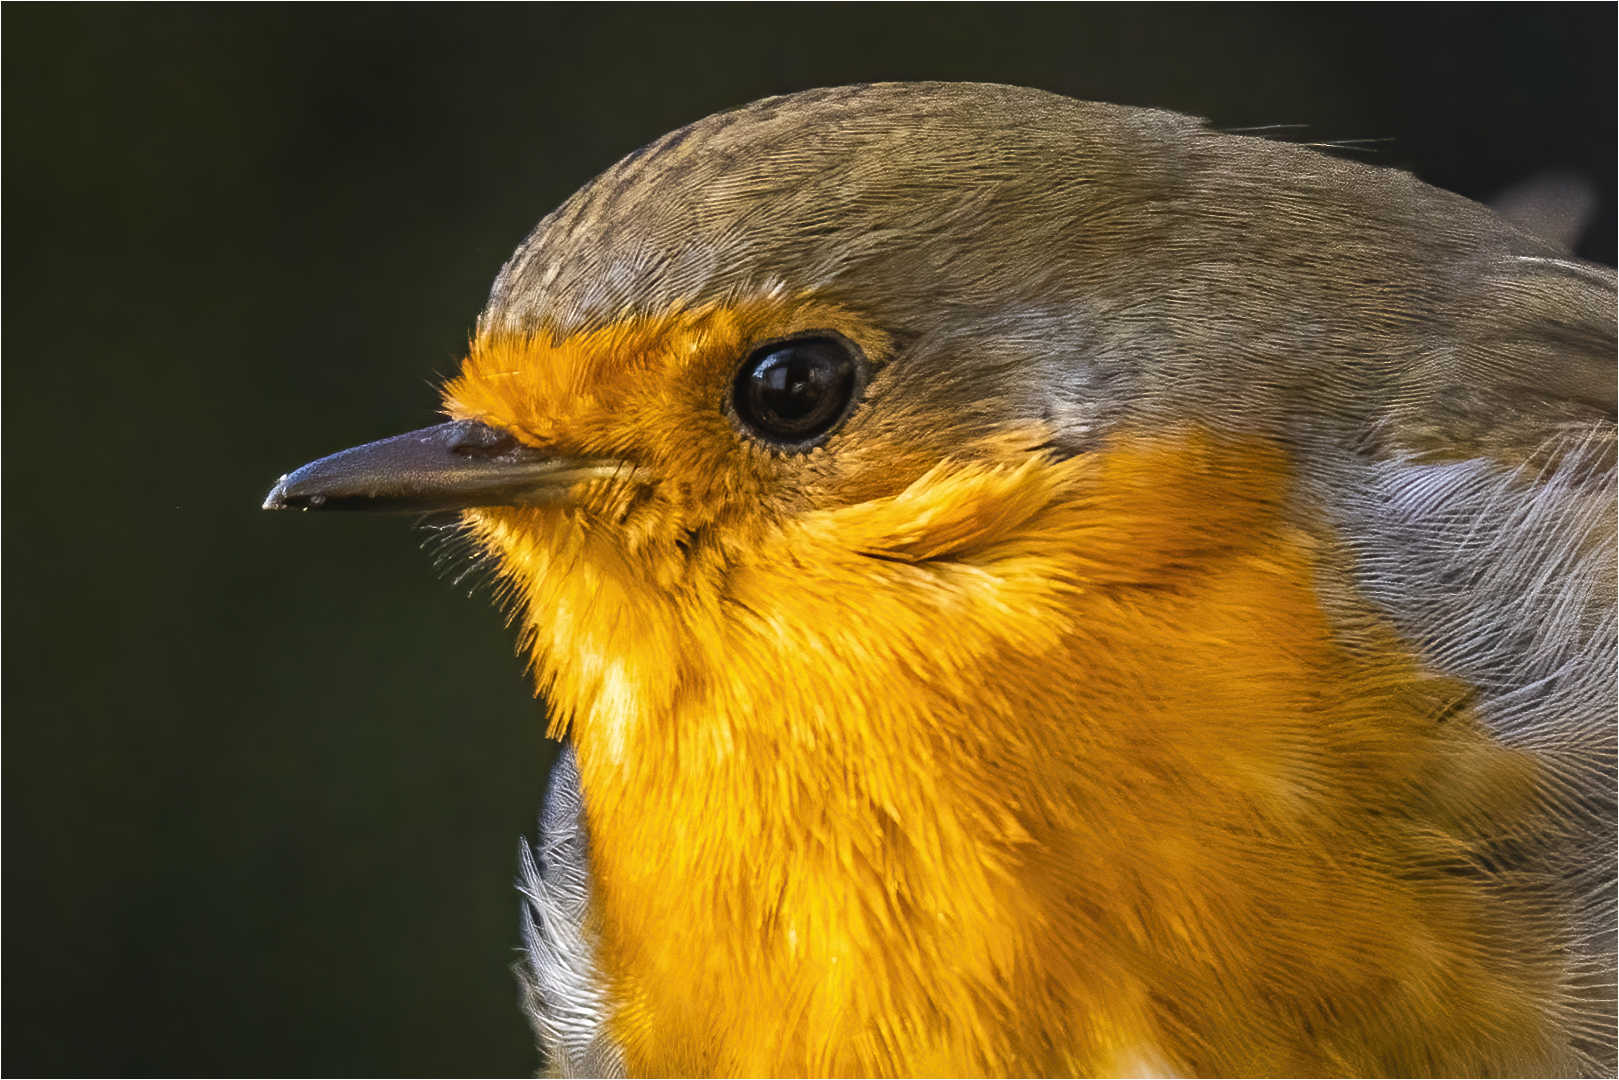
[{"x": 265, "y": 774}]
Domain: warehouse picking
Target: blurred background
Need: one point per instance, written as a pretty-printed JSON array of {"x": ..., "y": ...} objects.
[{"x": 264, "y": 774}]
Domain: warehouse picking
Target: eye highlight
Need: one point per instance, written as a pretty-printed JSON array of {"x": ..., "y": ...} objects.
[{"x": 792, "y": 393}]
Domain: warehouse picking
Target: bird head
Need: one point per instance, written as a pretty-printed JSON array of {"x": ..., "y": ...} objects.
[{"x": 815, "y": 303}]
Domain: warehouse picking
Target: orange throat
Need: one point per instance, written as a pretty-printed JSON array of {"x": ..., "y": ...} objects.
[{"x": 1036, "y": 767}]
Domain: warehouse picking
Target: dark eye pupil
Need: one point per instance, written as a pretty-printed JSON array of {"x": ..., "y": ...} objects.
[
  {"x": 794, "y": 391},
  {"x": 791, "y": 385}
]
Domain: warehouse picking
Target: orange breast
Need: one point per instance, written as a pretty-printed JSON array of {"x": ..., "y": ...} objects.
[{"x": 1038, "y": 768}]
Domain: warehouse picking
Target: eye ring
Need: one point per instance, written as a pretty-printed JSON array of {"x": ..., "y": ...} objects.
[{"x": 792, "y": 393}]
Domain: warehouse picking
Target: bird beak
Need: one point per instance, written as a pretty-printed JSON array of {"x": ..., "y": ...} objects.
[{"x": 451, "y": 466}]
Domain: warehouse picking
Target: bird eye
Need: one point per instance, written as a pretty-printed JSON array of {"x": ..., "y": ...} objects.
[{"x": 790, "y": 393}]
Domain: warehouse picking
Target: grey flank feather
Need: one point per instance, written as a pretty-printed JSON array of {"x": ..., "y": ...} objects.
[{"x": 564, "y": 994}]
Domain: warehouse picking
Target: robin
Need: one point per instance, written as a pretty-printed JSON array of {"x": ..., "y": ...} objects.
[{"x": 1045, "y": 588}]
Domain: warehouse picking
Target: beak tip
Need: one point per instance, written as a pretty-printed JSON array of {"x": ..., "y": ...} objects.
[{"x": 277, "y": 499}]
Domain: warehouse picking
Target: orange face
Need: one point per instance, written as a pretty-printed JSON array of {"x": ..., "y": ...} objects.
[{"x": 656, "y": 394}]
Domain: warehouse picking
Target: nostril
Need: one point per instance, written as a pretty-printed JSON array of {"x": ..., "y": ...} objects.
[{"x": 470, "y": 438}]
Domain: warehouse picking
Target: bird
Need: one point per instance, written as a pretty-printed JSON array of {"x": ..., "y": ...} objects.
[{"x": 1035, "y": 587}]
